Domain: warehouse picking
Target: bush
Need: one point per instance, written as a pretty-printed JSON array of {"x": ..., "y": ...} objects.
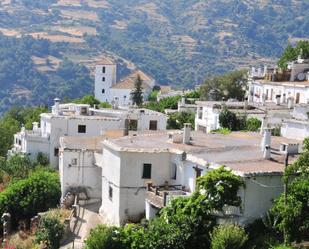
[
  {"x": 178, "y": 119},
  {"x": 50, "y": 231},
  {"x": 228, "y": 119},
  {"x": 17, "y": 166},
  {"x": 228, "y": 237},
  {"x": 104, "y": 237},
  {"x": 36, "y": 193},
  {"x": 224, "y": 131},
  {"x": 253, "y": 124}
]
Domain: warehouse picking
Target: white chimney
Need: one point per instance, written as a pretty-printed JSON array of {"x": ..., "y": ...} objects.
[
  {"x": 283, "y": 98},
  {"x": 186, "y": 133},
  {"x": 263, "y": 99},
  {"x": 266, "y": 140},
  {"x": 55, "y": 109},
  {"x": 116, "y": 105},
  {"x": 290, "y": 102},
  {"x": 267, "y": 153},
  {"x": 265, "y": 71},
  {"x": 183, "y": 101},
  {"x": 263, "y": 124},
  {"x": 35, "y": 126},
  {"x": 278, "y": 99}
]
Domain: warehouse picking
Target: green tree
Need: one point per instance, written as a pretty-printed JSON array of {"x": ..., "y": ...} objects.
[
  {"x": 291, "y": 53},
  {"x": 104, "y": 237},
  {"x": 17, "y": 166},
  {"x": 137, "y": 92},
  {"x": 36, "y": 193},
  {"x": 230, "y": 85},
  {"x": 50, "y": 231},
  {"x": 88, "y": 99},
  {"x": 228, "y": 119},
  {"x": 228, "y": 237},
  {"x": 194, "y": 214},
  {"x": 253, "y": 124},
  {"x": 178, "y": 119},
  {"x": 292, "y": 214}
]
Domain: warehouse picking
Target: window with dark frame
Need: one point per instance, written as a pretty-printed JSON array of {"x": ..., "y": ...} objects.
[
  {"x": 110, "y": 192},
  {"x": 81, "y": 128},
  {"x": 56, "y": 152},
  {"x": 103, "y": 69},
  {"x": 174, "y": 171},
  {"x": 153, "y": 125},
  {"x": 146, "y": 171},
  {"x": 103, "y": 79},
  {"x": 103, "y": 90}
]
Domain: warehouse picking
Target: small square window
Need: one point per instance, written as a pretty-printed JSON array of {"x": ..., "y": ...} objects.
[
  {"x": 103, "y": 79},
  {"x": 153, "y": 125},
  {"x": 110, "y": 192},
  {"x": 74, "y": 161},
  {"x": 146, "y": 171},
  {"x": 82, "y": 129},
  {"x": 56, "y": 152},
  {"x": 174, "y": 171},
  {"x": 103, "y": 69}
]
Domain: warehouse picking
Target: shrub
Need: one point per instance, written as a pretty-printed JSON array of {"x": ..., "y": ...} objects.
[
  {"x": 224, "y": 131},
  {"x": 228, "y": 119},
  {"x": 50, "y": 231},
  {"x": 178, "y": 119},
  {"x": 253, "y": 124},
  {"x": 36, "y": 193},
  {"x": 104, "y": 237},
  {"x": 228, "y": 237}
]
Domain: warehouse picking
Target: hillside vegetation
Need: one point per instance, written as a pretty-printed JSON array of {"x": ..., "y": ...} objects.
[{"x": 178, "y": 42}]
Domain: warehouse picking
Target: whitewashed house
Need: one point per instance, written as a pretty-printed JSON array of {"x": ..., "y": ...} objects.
[
  {"x": 297, "y": 127},
  {"x": 152, "y": 168},
  {"x": 77, "y": 166},
  {"x": 82, "y": 121},
  {"x": 283, "y": 87},
  {"x": 107, "y": 89},
  {"x": 207, "y": 114}
]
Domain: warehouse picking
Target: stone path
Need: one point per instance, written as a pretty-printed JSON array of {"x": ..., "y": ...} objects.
[{"x": 87, "y": 219}]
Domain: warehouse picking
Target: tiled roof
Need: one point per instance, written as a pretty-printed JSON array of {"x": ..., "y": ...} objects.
[
  {"x": 128, "y": 82},
  {"x": 105, "y": 61}
]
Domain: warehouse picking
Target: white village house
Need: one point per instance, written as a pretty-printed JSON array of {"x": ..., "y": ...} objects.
[
  {"x": 107, "y": 89},
  {"x": 297, "y": 126},
  {"x": 271, "y": 114},
  {"x": 73, "y": 120},
  {"x": 290, "y": 86},
  {"x": 168, "y": 164}
]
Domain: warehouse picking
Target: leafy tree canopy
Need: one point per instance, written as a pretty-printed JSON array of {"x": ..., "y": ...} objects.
[
  {"x": 230, "y": 85},
  {"x": 291, "y": 53}
]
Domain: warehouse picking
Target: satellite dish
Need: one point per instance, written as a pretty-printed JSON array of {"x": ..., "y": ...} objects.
[{"x": 301, "y": 76}]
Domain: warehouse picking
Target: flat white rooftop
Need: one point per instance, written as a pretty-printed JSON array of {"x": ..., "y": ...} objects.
[{"x": 239, "y": 151}]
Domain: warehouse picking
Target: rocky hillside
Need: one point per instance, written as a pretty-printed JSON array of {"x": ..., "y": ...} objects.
[{"x": 178, "y": 42}]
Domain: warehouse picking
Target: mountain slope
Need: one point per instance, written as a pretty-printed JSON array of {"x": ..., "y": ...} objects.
[{"x": 178, "y": 42}]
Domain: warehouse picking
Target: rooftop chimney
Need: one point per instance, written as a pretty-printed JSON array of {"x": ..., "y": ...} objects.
[
  {"x": 55, "y": 109},
  {"x": 186, "y": 133},
  {"x": 278, "y": 99},
  {"x": 266, "y": 140},
  {"x": 290, "y": 102},
  {"x": 267, "y": 153},
  {"x": 263, "y": 124},
  {"x": 35, "y": 126}
]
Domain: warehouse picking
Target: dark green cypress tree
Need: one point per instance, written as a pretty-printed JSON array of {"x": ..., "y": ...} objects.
[{"x": 137, "y": 92}]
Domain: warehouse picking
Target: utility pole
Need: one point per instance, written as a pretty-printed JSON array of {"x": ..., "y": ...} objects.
[{"x": 286, "y": 181}]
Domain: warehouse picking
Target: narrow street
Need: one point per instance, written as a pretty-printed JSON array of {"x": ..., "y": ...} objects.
[{"x": 87, "y": 219}]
